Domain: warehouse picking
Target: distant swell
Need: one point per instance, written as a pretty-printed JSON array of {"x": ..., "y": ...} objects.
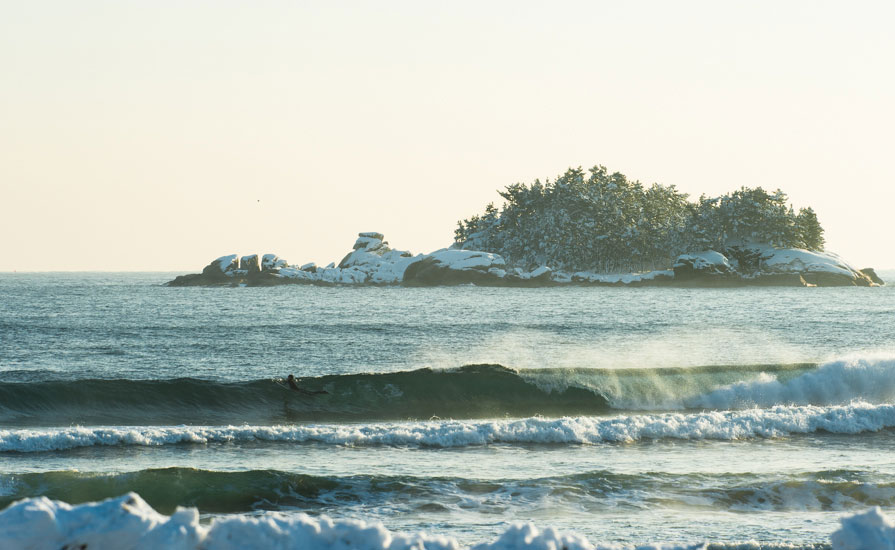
[
  {"x": 777, "y": 421},
  {"x": 245, "y": 491}
]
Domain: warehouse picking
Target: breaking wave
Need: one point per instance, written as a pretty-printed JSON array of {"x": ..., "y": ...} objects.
[
  {"x": 245, "y": 491},
  {"x": 470, "y": 392},
  {"x": 473, "y": 391},
  {"x": 779, "y": 421}
]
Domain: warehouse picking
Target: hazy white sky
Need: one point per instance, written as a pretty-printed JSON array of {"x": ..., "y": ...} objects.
[{"x": 160, "y": 135}]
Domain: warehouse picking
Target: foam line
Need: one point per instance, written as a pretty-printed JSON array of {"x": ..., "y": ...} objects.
[{"x": 776, "y": 421}]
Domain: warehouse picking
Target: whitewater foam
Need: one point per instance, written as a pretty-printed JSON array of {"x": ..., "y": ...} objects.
[
  {"x": 779, "y": 421},
  {"x": 129, "y": 523},
  {"x": 870, "y": 380}
]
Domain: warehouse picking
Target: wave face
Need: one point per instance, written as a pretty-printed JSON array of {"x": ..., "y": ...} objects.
[
  {"x": 245, "y": 491},
  {"x": 777, "y": 421},
  {"x": 473, "y": 391}
]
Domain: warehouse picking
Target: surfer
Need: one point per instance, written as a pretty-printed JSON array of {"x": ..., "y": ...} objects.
[{"x": 293, "y": 386}]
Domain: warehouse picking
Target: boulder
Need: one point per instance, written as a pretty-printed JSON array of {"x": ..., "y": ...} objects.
[
  {"x": 830, "y": 278},
  {"x": 456, "y": 267},
  {"x": 541, "y": 274},
  {"x": 222, "y": 265},
  {"x": 250, "y": 264},
  {"x": 870, "y": 273},
  {"x": 369, "y": 247},
  {"x": 817, "y": 268},
  {"x": 219, "y": 271},
  {"x": 379, "y": 263},
  {"x": 272, "y": 263},
  {"x": 709, "y": 268}
]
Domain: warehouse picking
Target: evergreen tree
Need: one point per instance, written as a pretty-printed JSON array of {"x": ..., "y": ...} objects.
[
  {"x": 809, "y": 231},
  {"x": 599, "y": 221}
]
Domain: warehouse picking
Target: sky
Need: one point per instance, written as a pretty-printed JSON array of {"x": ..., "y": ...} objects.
[{"x": 157, "y": 136}]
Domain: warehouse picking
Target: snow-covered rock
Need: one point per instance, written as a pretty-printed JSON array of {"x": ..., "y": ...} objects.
[
  {"x": 450, "y": 266},
  {"x": 294, "y": 274},
  {"x": 219, "y": 271},
  {"x": 541, "y": 272},
  {"x": 763, "y": 265},
  {"x": 706, "y": 267},
  {"x": 250, "y": 264},
  {"x": 372, "y": 262},
  {"x": 372, "y": 235},
  {"x": 271, "y": 262},
  {"x": 819, "y": 268},
  {"x": 223, "y": 264},
  {"x": 372, "y": 256}
]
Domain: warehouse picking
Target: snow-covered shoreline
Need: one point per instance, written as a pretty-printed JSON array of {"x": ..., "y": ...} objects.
[
  {"x": 373, "y": 262},
  {"x": 129, "y": 523}
]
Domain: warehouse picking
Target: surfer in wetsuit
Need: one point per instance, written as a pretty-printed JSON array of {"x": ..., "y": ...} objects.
[{"x": 293, "y": 386}]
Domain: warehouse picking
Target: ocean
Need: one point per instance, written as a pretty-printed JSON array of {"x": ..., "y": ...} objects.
[{"x": 742, "y": 418}]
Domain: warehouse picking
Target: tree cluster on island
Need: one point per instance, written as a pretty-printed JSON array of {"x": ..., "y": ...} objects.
[{"x": 607, "y": 223}]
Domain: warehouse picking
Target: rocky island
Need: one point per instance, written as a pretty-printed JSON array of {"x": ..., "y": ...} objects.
[
  {"x": 587, "y": 228},
  {"x": 373, "y": 262}
]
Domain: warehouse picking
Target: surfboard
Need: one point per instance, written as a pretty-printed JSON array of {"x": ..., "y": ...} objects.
[{"x": 282, "y": 383}]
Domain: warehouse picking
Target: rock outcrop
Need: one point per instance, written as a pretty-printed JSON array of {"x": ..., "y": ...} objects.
[
  {"x": 817, "y": 268},
  {"x": 706, "y": 268},
  {"x": 372, "y": 262},
  {"x": 250, "y": 264},
  {"x": 871, "y": 274},
  {"x": 760, "y": 265},
  {"x": 456, "y": 267}
]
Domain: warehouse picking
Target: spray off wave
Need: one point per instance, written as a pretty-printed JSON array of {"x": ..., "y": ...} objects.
[{"x": 834, "y": 383}]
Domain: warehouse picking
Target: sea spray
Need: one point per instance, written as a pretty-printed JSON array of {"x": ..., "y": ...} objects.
[{"x": 837, "y": 382}]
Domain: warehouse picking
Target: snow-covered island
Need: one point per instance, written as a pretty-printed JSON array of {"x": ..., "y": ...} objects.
[
  {"x": 373, "y": 262},
  {"x": 588, "y": 228}
]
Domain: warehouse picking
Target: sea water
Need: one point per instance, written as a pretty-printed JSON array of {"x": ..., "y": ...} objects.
[{"x": 625, "y": 415}]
